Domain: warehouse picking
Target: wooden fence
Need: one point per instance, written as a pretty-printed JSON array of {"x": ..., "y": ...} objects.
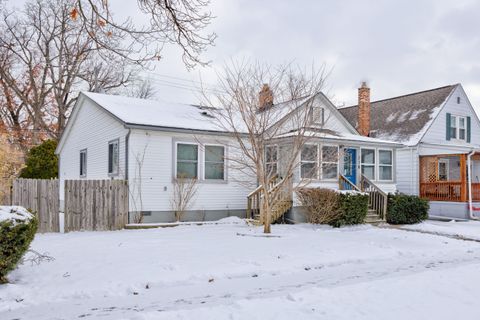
[
  {"x": 95, "y": 204},
  {"x": 41, "y": 197}
]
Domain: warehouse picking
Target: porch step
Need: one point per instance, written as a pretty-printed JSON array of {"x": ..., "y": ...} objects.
[{"x": 372, "y": 217}]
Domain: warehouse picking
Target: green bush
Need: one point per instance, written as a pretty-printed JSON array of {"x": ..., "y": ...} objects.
[
  {"x": 354, "y": 208},
  {"x": 41, "y": 162},
  {"x": 406, "y": 209},
  {"x": 326, "y": 206},
  {"x": 15, "y": 238}
]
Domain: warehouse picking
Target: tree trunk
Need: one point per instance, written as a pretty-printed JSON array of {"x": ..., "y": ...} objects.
[{"x": 266, "y": 213}]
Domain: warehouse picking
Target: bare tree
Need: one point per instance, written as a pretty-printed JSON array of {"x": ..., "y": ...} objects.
[
  {"x": 140, "y": 88},
  {"x": 184, "y": 190},
  {"x": 256, "y": 121},
  {"x": 45, "y": 59},
  {"x": 178, "y": 22}
]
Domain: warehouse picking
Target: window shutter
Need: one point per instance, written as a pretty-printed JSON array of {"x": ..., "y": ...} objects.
[
  {"x": 449, "y": 119},
  {"x": 469, "y": 134}
]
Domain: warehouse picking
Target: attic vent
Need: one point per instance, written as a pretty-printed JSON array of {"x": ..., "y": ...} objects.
[
  {"x": 318, "y": 116},
  {"x": 458, "y": 100},
  {"x": 206, "y": 114}
]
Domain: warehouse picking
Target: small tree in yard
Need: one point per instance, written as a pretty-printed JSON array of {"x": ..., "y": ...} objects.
[
  {"x": 249, "y": 117},
  {"x": 184, "y": 190},
  {"x": 42, "y": 162}
]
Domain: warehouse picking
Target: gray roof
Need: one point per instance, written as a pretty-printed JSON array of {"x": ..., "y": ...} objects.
[{"x": 405, "y": 118}]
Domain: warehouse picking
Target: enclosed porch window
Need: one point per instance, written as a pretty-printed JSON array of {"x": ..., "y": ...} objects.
[{"x": 443, "y": 177}]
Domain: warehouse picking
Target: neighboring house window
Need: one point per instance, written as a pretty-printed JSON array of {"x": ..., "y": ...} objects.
[
  {"x": 271, "y": 160},
  {"x": 309, "y": 160},
  {"x": 462, "y": 126},
  {"x": 385, "y": 165},
  {"x": 329, "y": 162},
  {"x": 83, "y": 163},
  {"x": 187, "y": 160},
  {"x": 458, "y": 127},
  {"x": 443, "y": 169},
  {"x": 214, "y": 162},
  {"x": 368, "y": 163},
  {"x": 453, "y": 127},
  {"x": 113, "y": 157}
]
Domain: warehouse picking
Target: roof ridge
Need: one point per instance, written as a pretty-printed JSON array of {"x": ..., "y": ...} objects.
[{"x": 405, "y": 95}]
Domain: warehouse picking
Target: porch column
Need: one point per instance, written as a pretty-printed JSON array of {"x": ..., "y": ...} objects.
[{"x": 463, "y": 177}]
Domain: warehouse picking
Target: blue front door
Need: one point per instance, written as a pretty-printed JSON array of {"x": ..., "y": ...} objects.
[{"x": 350, "y": 165}]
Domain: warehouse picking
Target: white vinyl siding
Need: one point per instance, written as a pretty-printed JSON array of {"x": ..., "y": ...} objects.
[
  {"x": 92, "y": 129},
  {"x": 159, "y": 167},
  {"x": 436, "y": 133}
]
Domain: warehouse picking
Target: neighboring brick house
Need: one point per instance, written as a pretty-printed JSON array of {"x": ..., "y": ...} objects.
[{"x": 440, "y": 132}]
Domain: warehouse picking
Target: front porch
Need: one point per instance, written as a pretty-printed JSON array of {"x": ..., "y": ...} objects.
[{"x": 445, "y": 177}]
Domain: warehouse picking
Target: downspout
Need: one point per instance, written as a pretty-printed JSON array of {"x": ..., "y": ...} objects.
[
  {"x": 127, "y": 142},
  {"x": 470, "y": 205}
]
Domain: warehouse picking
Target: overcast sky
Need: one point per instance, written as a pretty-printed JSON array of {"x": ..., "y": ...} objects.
[{"x": 397, "y": 46}]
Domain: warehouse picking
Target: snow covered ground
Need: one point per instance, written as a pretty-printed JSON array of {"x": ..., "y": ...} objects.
[
  {"x": 468, "y": 229},
  {"x": 229, "y": 271}
]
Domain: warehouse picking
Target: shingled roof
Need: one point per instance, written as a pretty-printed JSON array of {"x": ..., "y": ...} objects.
[{"x": 402, "y": 119}]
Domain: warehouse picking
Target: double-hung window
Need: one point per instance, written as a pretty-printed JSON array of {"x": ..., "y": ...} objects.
[
  {"x": 113, "y": 157},
  {"x": 368, "y": 163},
  {"x": 187, "y": 161},
  {"x": 309, "y": 161},
  {"x": 271, "y": 160},
  {"x": 462, "y": 125},
  {"x": 214, "y": 162},
  {"x": 83, "y": 163},
  {"x": 329, "y": 162},
  {"x": 453, "y": 127},
  {"x": 385, "y": 165}
]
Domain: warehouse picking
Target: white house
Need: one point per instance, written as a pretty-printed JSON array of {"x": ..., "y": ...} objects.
[
  {"x": 440, "y": 132},
  {"x": 149, "y": 143}
]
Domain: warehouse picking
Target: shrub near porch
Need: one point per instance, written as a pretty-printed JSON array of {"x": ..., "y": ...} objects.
[{"x": 336, "y": 208}]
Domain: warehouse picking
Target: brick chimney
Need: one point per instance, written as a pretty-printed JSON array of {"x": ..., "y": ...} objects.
[
  {"x": 265, "y": 97},
  {"x": 364, "y": 110}
]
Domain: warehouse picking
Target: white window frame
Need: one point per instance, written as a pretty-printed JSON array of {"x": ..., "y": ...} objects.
[
  {"x": 204, "y": 161},
  {"x": 83, "y": 173},
  {"x": 115, "y": 166},
  {"x": 267, "y": 163},
  {"x": 316, "y": 162},
  {"x": 456, "y": 125},
  {"x": 176, "y": 159},
  {"x": 384, "y": 165},
  {"x": 328, "y": 162},
  {"x": 375, "y": 161}
]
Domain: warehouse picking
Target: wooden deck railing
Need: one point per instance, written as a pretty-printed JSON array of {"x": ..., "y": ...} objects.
[
  {"x": 377, "y": 199},
  {"x": 345, "y": 184},
  {"x": 475, "y": 191},
  {"x": 446, "y": 190},
  {"x": 281, "y": 189}
]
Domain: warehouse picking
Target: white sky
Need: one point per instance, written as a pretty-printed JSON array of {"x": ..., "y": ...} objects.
[{"x": 397, "y": 46}]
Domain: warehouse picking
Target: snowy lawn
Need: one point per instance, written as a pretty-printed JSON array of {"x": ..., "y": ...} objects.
[
  {"x": 230, "y": 272},
  {"x": 467, "y": 229}
]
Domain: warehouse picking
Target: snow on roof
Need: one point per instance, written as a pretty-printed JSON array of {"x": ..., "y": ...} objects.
[
  {"x": 329, "y": 135},
  {"x": 403, "y": 119},
  {"x": 135, "y": 111},
  {"x": 14, "y": 214}
]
